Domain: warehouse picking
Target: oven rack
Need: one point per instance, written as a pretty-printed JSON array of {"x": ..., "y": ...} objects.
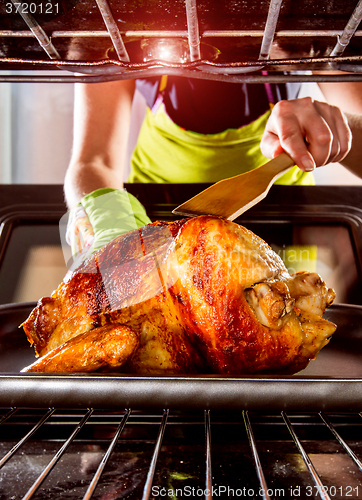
[
  {"x": 274, "y": 455},
  {"x": 119, "y": 60}
]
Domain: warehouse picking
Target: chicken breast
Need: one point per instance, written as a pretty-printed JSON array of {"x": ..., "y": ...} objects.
[{"x": 200, "y": 295}]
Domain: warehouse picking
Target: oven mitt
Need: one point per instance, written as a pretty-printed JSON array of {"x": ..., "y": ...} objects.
[{"x": 99, "y": 218}]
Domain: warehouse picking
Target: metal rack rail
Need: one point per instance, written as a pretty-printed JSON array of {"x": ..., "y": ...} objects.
[{"x": 124, "y": 65}]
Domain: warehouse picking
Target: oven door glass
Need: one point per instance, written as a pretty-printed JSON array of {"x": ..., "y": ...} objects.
[
  {"x": 34, "y": 261},
  {"x": 326, "y": 249}
]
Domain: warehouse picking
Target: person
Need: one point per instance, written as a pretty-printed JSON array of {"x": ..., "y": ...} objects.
[{"x": 197, "y": 131}]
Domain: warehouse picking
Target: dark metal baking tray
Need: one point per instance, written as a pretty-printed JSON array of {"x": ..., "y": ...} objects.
[{"x": 332, "y": 382}]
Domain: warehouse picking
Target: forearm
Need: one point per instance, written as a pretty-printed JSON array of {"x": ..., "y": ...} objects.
[
  {"x": 101, "y": 126},
  {"x": 348, "y": 97},
  {"x": 353, "y": 160},
  {"x": 82, "y": 179}
]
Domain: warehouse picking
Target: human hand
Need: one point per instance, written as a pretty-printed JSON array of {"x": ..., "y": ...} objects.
[
  {"x": 313, "y": 133},
  {"x": 99, "y": 218}
]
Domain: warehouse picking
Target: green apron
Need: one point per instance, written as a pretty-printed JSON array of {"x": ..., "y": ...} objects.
[{"x": 166, "y": 153}]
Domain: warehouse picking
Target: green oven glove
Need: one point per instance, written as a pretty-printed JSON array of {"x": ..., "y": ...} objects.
[{"x": 99, "y": 218}]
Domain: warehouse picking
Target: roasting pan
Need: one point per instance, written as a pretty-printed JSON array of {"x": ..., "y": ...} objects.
[{"x": 333, "y": 382}]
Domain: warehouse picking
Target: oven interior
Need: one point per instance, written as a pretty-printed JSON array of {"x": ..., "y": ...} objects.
[
  {"x": 258, "y": 445},
  {"x": 243, "y": 440}
]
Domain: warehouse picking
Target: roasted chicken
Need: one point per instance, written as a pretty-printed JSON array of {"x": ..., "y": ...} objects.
[{"x": 200, "y": 295}]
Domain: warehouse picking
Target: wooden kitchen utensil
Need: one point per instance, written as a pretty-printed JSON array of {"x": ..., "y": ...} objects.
[{"x": 231, "y": 197}]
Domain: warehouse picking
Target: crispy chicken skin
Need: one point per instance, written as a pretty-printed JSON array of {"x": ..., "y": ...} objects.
[
  {"x": 200, "y": 295},
  {"x": 107, "y": 346}
]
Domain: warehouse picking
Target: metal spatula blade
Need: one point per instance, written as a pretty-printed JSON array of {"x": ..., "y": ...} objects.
[{"x": 231, "y": 197}]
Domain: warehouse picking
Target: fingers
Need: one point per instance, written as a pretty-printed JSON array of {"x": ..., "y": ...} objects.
[
  {"x": 313, "y": 133},
  {"x": 284, "y": 131},
  {"x": 342, "y": 136}
]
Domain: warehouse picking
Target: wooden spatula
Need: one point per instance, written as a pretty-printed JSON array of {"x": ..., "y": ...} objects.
[{"x": 231, "y": 197}]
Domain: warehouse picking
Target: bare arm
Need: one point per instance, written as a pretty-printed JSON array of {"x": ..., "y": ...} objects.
[
  {"x": 315, "y": 133},
  {"x": 348, "y": 97},
  {"x": 102, "y": 114}
]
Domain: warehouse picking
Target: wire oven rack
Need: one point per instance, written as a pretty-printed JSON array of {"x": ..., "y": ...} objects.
[
  {"x": 89, "y": 453},
  {"x": 226, "y": 40}
]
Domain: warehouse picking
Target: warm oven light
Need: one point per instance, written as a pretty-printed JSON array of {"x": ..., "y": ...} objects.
[{"x": 165, "y": 49}]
